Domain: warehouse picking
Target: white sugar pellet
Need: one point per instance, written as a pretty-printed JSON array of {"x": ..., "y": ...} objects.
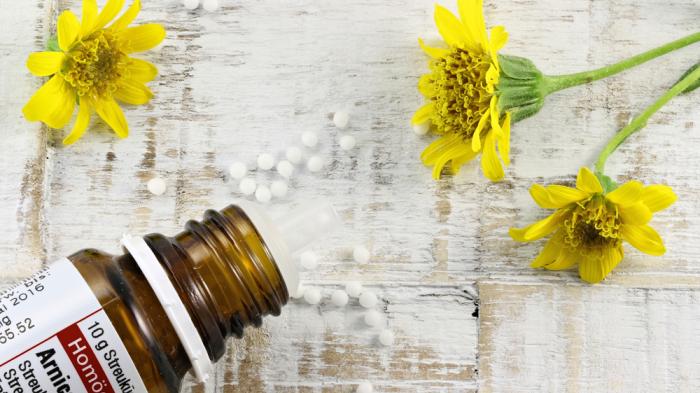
[
  {"x": 300, "y": 292},
  {"x": 341, "y": 119},
  {"x": 190, "y": 4},
  {"x": 210, "y": 5},
  {"x": 347, "y": 142},
  {"x": 368, "y": 299},
  {"x": 353, "y": 288},
  {"x": 285, "y": 168},
  {"x": 312, "y": 295},
  {"x": 339, "y": 298},
  {"x": 263, "y": 194},
  {"x": 360, "y": 254},
  {"x": 314, "y": 164},
  {"x": 293, "y": 155},
  {"x": 373, "y": 318},
  {"x": 422, "y": 128},
  {"x": 157, "y": 186},
  {"x": 364, "y": 387},
  {"x": 309, "y": 139},
  {"x": 309, "y": 260},
  {"x": 266, "y": 161},
  {"x": 247, "y": 186},
  {"x": 386, "y": 337},
  {"x": 238, "y": 170},
  {"x": 278, "y": 188}
]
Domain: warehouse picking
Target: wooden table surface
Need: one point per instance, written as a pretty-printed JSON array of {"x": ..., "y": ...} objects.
[{"x": 468, "y": 312}]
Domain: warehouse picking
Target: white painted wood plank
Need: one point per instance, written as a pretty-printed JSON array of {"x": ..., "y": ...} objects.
[
  {"x": 23, "y": 27},
  {"x": 554, "y": 338}
]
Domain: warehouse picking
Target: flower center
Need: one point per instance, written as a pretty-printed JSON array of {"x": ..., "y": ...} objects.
[
  {"x": 593, "y": 226},
  {"x": 95, "y": 65},
  {"x": 462, "y": 93}
]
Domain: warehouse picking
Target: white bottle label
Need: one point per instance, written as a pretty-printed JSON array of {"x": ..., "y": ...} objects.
[{"x": 55, "y": 337}]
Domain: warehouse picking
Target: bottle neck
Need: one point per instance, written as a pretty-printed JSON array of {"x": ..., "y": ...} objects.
[{"x": 224, "y": 273}]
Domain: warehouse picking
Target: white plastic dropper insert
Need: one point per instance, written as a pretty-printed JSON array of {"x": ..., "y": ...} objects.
[{"x": 288, "y": 235}]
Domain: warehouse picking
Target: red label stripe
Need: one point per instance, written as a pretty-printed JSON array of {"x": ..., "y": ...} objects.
[{"x": 84, "y": 360}]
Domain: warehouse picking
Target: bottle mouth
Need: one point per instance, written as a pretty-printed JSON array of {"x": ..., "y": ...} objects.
[{"x": 288, "y": 235}]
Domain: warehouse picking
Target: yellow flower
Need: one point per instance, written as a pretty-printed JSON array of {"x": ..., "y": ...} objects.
[
  {"x": 93, "y": 69},
  {"x": 474, "y": 93},
  {"x": 590, "y": 224},
  {"x": 461, "y": 89}
]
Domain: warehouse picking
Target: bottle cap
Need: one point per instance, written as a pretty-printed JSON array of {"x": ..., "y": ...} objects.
[
  {"x": 288, "y": 235},
  {"x": 172, "y": 304}
]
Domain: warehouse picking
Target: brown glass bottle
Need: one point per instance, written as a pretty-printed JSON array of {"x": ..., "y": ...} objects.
[
  {"x": 114, "y": 323},
  {"x": 222, "y": 270}
]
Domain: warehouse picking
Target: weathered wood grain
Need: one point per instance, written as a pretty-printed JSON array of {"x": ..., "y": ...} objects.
[
  {"x": 253, "y": 76},
  {"x": 22, "y": 162},
  {"x": 538, "y": 337}
]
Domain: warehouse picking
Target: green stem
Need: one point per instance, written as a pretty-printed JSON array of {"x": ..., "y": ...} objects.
[
  {"x": 560, "y": 82},
  {"x": 640, "y": 121}
]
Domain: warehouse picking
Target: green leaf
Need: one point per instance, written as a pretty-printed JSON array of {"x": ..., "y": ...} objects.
[
  {"x": 52, "y": 44},
  {"x": 523, "y": 112},
  {"x": 695, "y": 84},
  {"x": 518, "y": 67},
  {"x": 519, "y": 88},
  {"x": 510, "y": 98}
]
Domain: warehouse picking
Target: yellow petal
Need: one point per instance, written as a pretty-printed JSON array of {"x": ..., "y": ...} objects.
[
  {"x": 67, "y": 30},
  {"x": 81, "y": 122},
  {"x": 142, "y": 38},
  {"x": 504, "y": 141},
  {"x": 425, "y": 85},
  {"x": 45, "y": 63},
  {"x": 541, "y": 196},
  {"x": 112, "y": 114},
  {"x": 556, "y": 196},
  {"x": 548, "y": 254},
  {"x": 495, "y": 117},
  {"x": 627, "y": 194},
  {"x": 637, "y": 214},
  {"x": 457, "y": 163},
  {"x": 128, "y": 16},
  {"x": 52, "y": 104},
  {"x": 108, "y": 13},
  {"x": 133, "y": 92},
  {"x": 141, "y": 70},
  {"x": 561, "y": 196},
  {"x": 457, "y": 150},
  {"x": 565, "y": 259},
  {"x": 539, "y": 229},
  {"x": 450, "y": 28},
  {"x": 422, "y": 114},
  {"x": 437, "y": 148},
  {"x": 476, "y": 137},
  {"x": 499, "y": 37},
  {"x": 518, "y": 234},
  {"x": 435, "y": 53},
  {"x": 658, "y": 197},
  {"x": 492, "y": 76},
  {"x": 588, "y": 182},
  {"x": 490, "y": 163},
  {"x": 89, "y": 17},
  {"x": 644, "y": 238},
  {"x": 594, "y": 270},
  {"x": 472, "y": 14}
]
